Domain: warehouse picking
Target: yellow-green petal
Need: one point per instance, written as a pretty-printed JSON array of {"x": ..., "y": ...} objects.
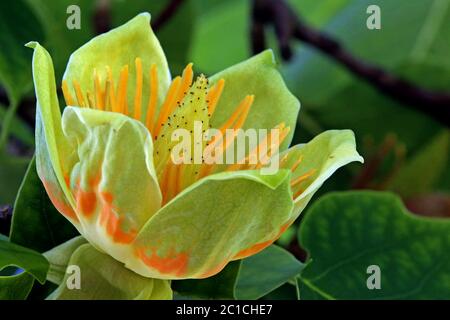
[
  {"x": 113, "y": 180},
  {"x": 273, "y": 104},
  {"x": 117, "y": 48},
  {"x": 103, "y": 278},
  {"x": 223, "y": 217},
  {"x": 52, "y": 149},
  {"x": 320, "y": 158}
]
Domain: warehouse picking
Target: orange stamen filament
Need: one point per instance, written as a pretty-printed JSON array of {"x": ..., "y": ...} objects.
[
  {"x": 151, "y": 108},
  {"x": 138, "y": 93},
  {"x": 78, "y": 93},
  {"x": 122, "y": 91},
  {"x": 67, "y": 95},
  {"x": 166, "y": 107},
  {"x": 214, "y": 96},
  {"x": 302, "y": 178}
]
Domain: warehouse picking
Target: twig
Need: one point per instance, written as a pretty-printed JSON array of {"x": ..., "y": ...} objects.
[
  {"x": 166, "y": 14},
  {"x": 5, "y": 218},
  {"x": 102, "y": 17},
  {"x": 288, "y": 26}
]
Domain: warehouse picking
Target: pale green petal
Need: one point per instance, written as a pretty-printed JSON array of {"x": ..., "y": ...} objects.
[
  {"x": 220, "y": 218},
  {"x": 103, "y": 278},
  {"x": 113, "y": 180},
  {"x": 273, "y": 104},
  {"x": 326, "y": 153},
  {"x": 117, "y": 48},
  {"x": 52, "y": 149},
  {"x": 59, "y": 258}
]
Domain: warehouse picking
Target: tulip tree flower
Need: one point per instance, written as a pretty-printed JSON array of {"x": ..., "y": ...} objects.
[{"x": 106, "y": 167}]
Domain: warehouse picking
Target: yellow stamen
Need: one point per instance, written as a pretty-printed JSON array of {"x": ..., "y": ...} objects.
[
  {"x": 188, "y": 75},
  {"x": 179, "y": 178},
  {"x": 78, "y": 93},
  {"x": 166, "y": 107},
  {"x": 153, "y": 99},
  {"x": 214, "y": 96},
  {"x": 99, "y": 95},
  {"x": 276, "y": 146},
  {"x": 297, "y": 163},
  {"x": 122, "y": 91},
  {"x": 90, "y": 99},
  {"x": 138, "y": 94},
  {"x": 302, "y": 178},
  {"x": 246, "y": 109},
  {"x": 112, "y": 95},
  {"x": 67, "y": 95},
  {"x": 107, "y": 96}
]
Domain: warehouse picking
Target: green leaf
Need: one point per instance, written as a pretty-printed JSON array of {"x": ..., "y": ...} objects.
[
  {"x": 422, "y": 172},
  {"x": 31, "y": 261},
  {"x": 104, "y": 278},
  {"x": 345, "y": 233},
  {"x": 16, "y": 287},
  {"x": 36, "y": 223},
  {"x": 287, "y": 291},
  {"x": 265, "y": 272},
  {"x": 59, "y": 258},
  {"x": 220, "y": 286},
  {"x": 18, "y": 25}
]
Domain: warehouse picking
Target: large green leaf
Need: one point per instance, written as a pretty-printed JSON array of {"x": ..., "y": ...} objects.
[
  {"x": 345, "y": 233},
  {"x": 102, "y": 277},
  {"x": 265, "y": 272},
  {"x": 36, "y": 223},
  {"x": 220, "y": 286},
  {"x": 31, "y": 261},
  {"x": 16, "y": 287}
]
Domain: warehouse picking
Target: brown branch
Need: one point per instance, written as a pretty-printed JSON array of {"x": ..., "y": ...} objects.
[
  {"x": 102, "y": 17},
  {"x": 289, "y": 26},
  {"x": 167, "y": 13},
  {"x": 5, "y": 219}
]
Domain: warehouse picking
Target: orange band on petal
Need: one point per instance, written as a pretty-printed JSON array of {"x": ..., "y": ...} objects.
[
  {"x": 262, "y": 245},
  {"x": 173, "y": 264}
]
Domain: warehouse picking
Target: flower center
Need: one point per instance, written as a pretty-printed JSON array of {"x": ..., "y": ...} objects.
[{"x": 186, "y": 104}]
